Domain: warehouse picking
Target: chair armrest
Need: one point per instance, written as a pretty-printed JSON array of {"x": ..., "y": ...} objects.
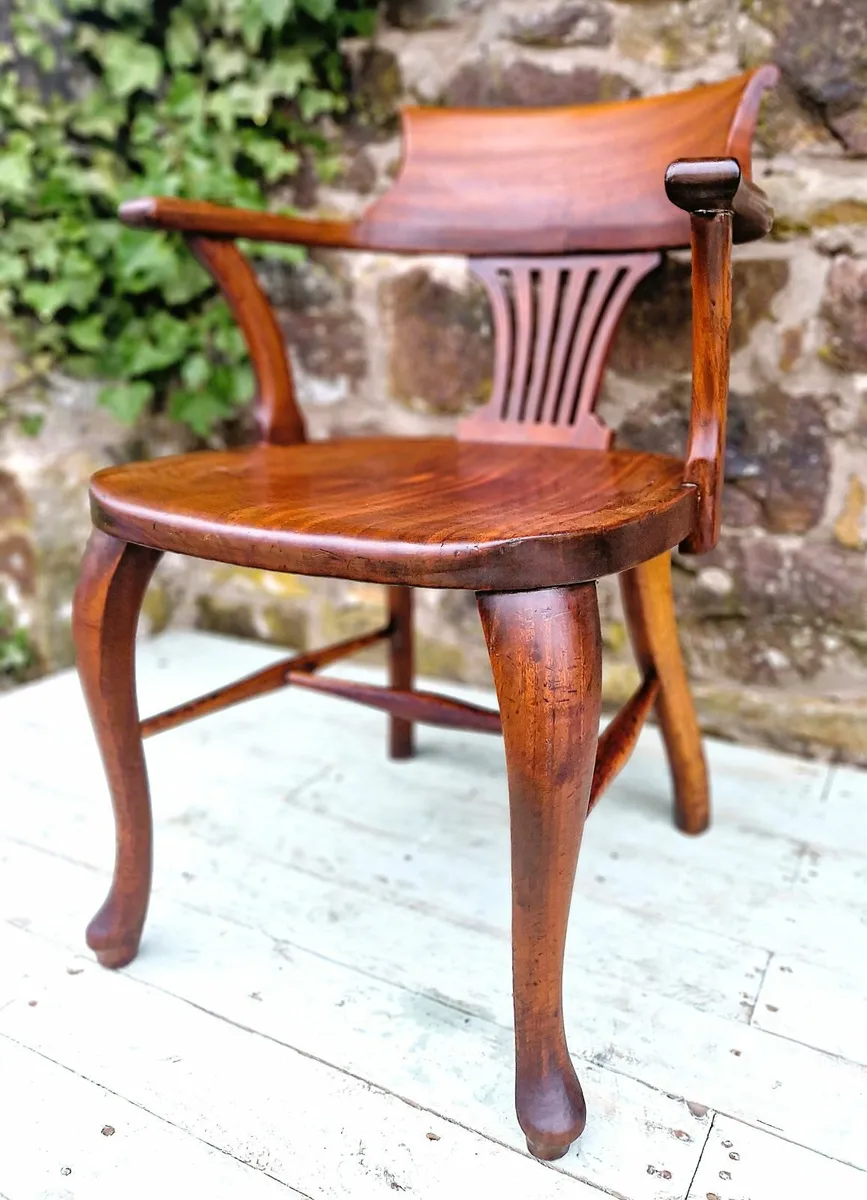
[
  {"x": 707, "y": 189},
  {"x": 209, "y": 230},
  {"x": 753, "y": 214},
  {"x": 214, "y": 220}
]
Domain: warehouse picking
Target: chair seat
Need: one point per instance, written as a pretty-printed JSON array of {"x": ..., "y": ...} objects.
[{"x": 432, "y": 512}]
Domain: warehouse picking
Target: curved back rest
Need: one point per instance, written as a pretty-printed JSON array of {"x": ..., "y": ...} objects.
[
  {"x": 562, "y": 211},
  {"x": 554, "y": 180}
]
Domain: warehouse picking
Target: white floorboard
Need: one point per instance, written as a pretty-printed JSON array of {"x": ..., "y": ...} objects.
[
  {"x": 303, "y": 1123},
  {"x": 816, "y": 1006},
  {"x": 740, "y": 1163},
  {"x": 341, "y": 923},
  {"x": 65, "y": 1138}
]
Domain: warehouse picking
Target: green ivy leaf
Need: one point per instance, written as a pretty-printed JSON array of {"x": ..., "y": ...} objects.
[
  {"x": 46, "y": 299},
  {"x": 320, "y": 10},
  {"x": 13, "y": 269},
  {"x": 209, "y": 99},
  {"x": 284, "y": 77},
  {"x": 187, "y": 282},
  {"x": 276, "y": 252},
  {"x": 200, "y": 410},
  {"x": 127, "y": 400},
  {"x": 99, "y": 116},
  {"x": 183, "y": 45},
  {"x": 16, "y": 167},
  {"x": 243, "y": 384},
  {"x": 271, "y": 157},
  {"x": 314, "y": 102},
  {"x": 88, "y": 333},
  {"x": 195, "y": 370},
  {"x": 145, "y": 260},
  {"x": 253, "y": 27},
  {"x": 130, "y": 65},
  {"x": 275, "y": 12},
  {"x": 225, "y": 61}
]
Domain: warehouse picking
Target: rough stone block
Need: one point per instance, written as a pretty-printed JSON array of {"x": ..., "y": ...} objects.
[
  {"x": 822, "y": 48},
  {"x": 440, "y": 343},
  {"x": 486, "y": 82},
  {"x": 845, "y": 310}
]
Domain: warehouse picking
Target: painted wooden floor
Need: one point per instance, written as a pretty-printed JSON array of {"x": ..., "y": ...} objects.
[{"x": 322, "y": 1004}]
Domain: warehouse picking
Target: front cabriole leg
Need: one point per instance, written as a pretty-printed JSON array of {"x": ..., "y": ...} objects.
[
  {"x": 546, "y": 653},
  {"x": 114, "y": 577}
]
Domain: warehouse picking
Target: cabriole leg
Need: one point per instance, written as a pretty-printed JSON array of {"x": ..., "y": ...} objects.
[
  {"x": 114, "y": 577},
  {"x": 546, "y": 652}
]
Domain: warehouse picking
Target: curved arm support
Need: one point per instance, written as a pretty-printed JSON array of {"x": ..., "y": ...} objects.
[
  {"x": 216, "y": 220},
  {"x": 706, "y": 189},
  {"x": 279, "y": 418}
]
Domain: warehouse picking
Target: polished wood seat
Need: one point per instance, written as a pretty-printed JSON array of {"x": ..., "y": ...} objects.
[
  {"x": 431, "y": 512},
  {"x": 561, "y": 213}
]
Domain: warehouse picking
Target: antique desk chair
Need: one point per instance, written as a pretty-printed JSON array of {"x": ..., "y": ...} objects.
[{"x": 561, "y": 212}]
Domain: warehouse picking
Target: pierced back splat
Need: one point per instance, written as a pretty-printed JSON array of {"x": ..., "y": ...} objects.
[{"x": 554, "y": 320}]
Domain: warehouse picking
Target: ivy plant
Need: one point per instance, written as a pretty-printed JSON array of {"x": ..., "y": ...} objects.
[
  {"x": 105, "y": 100},
  {"x": 17, "y": 655}
]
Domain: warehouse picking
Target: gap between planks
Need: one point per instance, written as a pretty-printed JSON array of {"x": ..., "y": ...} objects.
[
  {"x": 62, "y": 1130},
  {"x": 445, "y": 1061},
  {"x": 262, "y": 1101},
  {"x": 241, "y": 816},
  {"x": 200, "y": 977}
]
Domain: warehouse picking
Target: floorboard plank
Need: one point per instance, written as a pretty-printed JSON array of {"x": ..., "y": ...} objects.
[
  {"x": 816, "y": 1007},
  {"x": 451, "y": 1061},
  {"x": 68, "y": 1139},
  {"x": 714, "y": 1062},
  {"x": 284, "y": 838},
  {"x": 301, "y": 1121},
  {"x": 741, "y": 1163}
]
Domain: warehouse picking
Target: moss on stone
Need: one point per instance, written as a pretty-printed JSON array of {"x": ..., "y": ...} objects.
[
  {"x": 823, "y": 726},
  {"x": 619, "y": 681},
  {"x": 437, "y": 657},
  {"x": 234, "y": 620},
  {"x": 841, "y": 212},
  {"x": 156, "y": 608},
  {"x": 286, "y": 626},
  {"x": 787, "y": 228},
  {"x": 614, "y": 636}
]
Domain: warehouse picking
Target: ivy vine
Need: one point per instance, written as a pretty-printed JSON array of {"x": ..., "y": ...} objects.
[{"x": 206, "y": 99}]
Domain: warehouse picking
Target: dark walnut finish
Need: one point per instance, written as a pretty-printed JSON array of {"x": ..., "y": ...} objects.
[{"x": 561, "y": 211}]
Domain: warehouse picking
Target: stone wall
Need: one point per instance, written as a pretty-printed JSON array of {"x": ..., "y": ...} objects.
[{"x": 774, "y": 622}]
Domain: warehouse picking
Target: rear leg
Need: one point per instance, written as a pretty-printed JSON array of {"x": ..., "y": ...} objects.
[
  {"x": 401, "y": 739},
  {"x": 649, "y": 605}
]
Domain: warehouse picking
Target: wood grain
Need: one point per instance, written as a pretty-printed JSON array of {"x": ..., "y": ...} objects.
[
  {"x": 546, "y": 655},
  {"x": 707, "y": 190},
  {"x": 430, "y": 511},
  {"x": 260, "y": 683},
  {"x": 618, "y": 741},
  {"x": 406, "y": 706},
  {"x": 648, "y": 604},
  {"x": 554, "y": 321},
  {"x": 528, "y": 181},
  {"x": 114, "y": 577},
  {"x": 279, "y": 418},
  {"x": 401, "y": 668}
]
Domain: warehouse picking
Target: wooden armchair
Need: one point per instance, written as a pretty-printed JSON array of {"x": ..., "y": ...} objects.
[{"x": 561, "y": 212}]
